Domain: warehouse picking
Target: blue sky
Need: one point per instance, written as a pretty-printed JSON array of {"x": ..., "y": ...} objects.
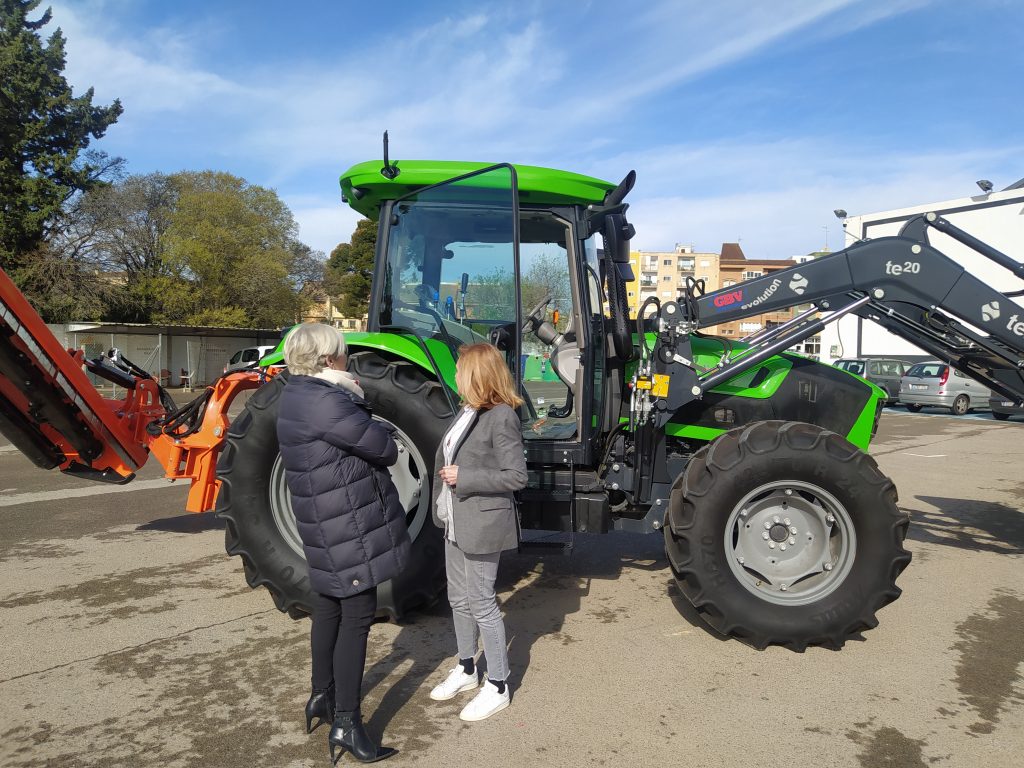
[{"x": 744, "y": 119}]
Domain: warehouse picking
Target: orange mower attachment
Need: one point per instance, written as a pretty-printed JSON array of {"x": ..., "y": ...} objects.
[{"x": 53, "y": 414}]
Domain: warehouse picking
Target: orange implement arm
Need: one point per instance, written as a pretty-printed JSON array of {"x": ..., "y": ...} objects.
[
  {"x": 194, "y": 454},
  {"x": 51, "y": 412}
]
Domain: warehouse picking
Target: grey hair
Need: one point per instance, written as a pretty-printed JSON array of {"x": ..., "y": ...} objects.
[{"x": 308, "y": 346}]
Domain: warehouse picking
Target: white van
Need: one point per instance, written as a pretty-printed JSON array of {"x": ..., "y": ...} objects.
[{"x": 247, "y": 358}]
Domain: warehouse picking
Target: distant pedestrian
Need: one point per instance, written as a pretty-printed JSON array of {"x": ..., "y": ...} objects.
[
  {"x": 480, "y": 464},
  {"x": 350, "y": 520}
]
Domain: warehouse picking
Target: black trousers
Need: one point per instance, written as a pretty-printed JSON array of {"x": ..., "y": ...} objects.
[{"x": 338, "y": 638}]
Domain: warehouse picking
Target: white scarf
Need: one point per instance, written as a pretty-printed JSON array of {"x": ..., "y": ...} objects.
[
  {"x": 450, "y": 440},
  {"x": 342, "y": 379}
]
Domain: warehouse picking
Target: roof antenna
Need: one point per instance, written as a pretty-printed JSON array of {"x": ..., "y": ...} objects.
[{"x": 388, "y": 171}]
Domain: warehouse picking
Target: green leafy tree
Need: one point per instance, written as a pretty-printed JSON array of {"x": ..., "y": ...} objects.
[
  {"x": 119, "y": 231},
  {"x": 234, "y": 245},
  {"x": 349, "y": 270},
  {"x": 548, "y": 274},
  {"x": 44, "y": 130}
]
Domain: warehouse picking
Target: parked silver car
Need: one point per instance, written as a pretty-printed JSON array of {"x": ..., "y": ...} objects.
[
  {"x": 936, "y": 383},
  {"x": 1003, "y": 408}
]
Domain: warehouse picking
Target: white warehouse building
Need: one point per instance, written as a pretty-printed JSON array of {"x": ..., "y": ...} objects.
[{"x": 996, "y": 218}]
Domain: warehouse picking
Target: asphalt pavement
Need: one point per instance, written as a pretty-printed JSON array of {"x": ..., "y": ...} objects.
[{"x": 128, "y": 638}]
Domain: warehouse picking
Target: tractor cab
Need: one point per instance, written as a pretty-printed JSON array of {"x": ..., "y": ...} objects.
[{"x": 506, "y": 255}]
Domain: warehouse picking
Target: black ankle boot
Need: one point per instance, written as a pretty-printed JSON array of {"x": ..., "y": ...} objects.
[
  {"x": 320, "y": 706},
  {"x": 349, "y": 733}
]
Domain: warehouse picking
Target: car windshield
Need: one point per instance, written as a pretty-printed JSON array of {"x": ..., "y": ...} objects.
[{"x": 926, "y": 370}]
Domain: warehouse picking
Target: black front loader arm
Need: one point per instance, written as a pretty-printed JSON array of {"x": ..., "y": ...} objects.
[{"x": 902, "y": 283}]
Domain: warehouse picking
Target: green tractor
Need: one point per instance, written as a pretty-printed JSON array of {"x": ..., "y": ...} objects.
[{"x": 750, "y": 461}]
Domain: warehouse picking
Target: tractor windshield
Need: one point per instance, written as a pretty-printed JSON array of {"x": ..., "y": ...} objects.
[{"x": 450, "y": 272}]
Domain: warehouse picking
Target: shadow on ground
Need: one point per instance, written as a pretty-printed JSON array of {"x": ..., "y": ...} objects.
[
  {"x": 537, "y": 591},
  {"x": 187, "y": 523},
  {"x": 981, "y": 526}
]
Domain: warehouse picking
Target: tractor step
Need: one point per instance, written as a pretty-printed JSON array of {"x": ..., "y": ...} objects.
[{"x": 549, "y": 543}]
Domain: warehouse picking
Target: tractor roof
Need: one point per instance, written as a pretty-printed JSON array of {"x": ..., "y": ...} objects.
[{"x": 536, "y": 185}]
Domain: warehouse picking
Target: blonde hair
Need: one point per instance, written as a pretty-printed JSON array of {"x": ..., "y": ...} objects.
[
  {"x": 483, "y": 378},
  {"x": 309, "y": 345}
]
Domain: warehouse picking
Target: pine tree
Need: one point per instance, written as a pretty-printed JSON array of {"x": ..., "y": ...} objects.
[
  {"x": 349, "y": 270},
  {"x": 44, "y": 132}
]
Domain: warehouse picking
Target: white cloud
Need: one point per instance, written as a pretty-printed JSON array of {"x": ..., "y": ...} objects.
[
  {"x": 151, "y": 71},
  {"x": 322, "y": 223},
  {"x": 776, "y": 198},
  {"x": 528, "y": 83}
]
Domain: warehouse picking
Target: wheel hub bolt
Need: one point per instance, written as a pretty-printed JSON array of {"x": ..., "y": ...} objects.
[
  {"x": 784, "y": 587},
  {"x": 767, "y": 524},
  {"x": 771, "y": 545},
  {"x": 792, "y": 529},
  {"x": 787, "y": 521},
  {"x": 776, "y": 519},
  {"x": 830, "y": 519},
  {"x": 782, "y": 547},
  {"x": 792, "y": 540},
  {"x": 765, "y": 535}
]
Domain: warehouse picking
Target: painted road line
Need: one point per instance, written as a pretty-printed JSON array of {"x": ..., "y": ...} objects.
[
  {"x": 928, "y": 455},
  {"x": 13, "y": 499}
]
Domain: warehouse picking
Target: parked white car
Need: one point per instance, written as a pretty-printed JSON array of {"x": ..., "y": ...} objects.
[{"x": 246, "y": 358}]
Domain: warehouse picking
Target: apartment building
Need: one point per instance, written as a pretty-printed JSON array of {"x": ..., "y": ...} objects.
[
  {"x": 323, "y": 309},
  {"x": 663, "y": 273},
  {"x": 735, "y": 268}
]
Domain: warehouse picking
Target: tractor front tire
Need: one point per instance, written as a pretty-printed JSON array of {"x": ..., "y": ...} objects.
[
  {"x": 255, "y": 504},
  {"x": 783, "y": 533}
]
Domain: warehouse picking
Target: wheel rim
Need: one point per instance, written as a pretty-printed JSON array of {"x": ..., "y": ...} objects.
[
  {"x": 790, "y": 542},
  {"x": 960, "y": 405},
  {"x": 409, "y": 473}
]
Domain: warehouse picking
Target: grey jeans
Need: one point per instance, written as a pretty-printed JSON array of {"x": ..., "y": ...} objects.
[{"x": 475, "y": 607}]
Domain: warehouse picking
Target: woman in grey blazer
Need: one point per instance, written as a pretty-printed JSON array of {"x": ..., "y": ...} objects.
[{"x": 479, "y": 463}]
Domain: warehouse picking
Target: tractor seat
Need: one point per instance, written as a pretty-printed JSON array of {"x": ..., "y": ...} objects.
[{"x": 543, "y": 428}]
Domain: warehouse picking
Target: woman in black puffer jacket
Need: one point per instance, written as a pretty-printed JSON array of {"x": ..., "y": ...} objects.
[{"x": 349, "y": 517}]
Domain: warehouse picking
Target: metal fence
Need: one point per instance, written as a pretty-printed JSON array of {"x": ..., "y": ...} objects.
[{"x": 176, "y": 355}]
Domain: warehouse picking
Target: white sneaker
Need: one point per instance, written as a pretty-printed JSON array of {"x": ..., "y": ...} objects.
[
  {"x": 456, "y": 682},
  {"x": 486, "y": 703}
]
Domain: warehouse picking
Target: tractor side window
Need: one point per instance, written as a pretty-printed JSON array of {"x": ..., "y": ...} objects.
[
  {"x": 595, "y": 292},
  {"x": 550, "y": 342}
]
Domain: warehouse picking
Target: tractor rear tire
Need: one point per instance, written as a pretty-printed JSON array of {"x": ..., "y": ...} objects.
[
  {"x": 783, "y": 533},
  {"x": 254, "y": 502}
]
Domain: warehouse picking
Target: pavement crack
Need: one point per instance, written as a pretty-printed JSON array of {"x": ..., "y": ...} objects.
[{"x": 136, "y": 646}]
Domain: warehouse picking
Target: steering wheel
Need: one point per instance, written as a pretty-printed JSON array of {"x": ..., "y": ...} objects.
[{"x": 535, "y": 316}]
